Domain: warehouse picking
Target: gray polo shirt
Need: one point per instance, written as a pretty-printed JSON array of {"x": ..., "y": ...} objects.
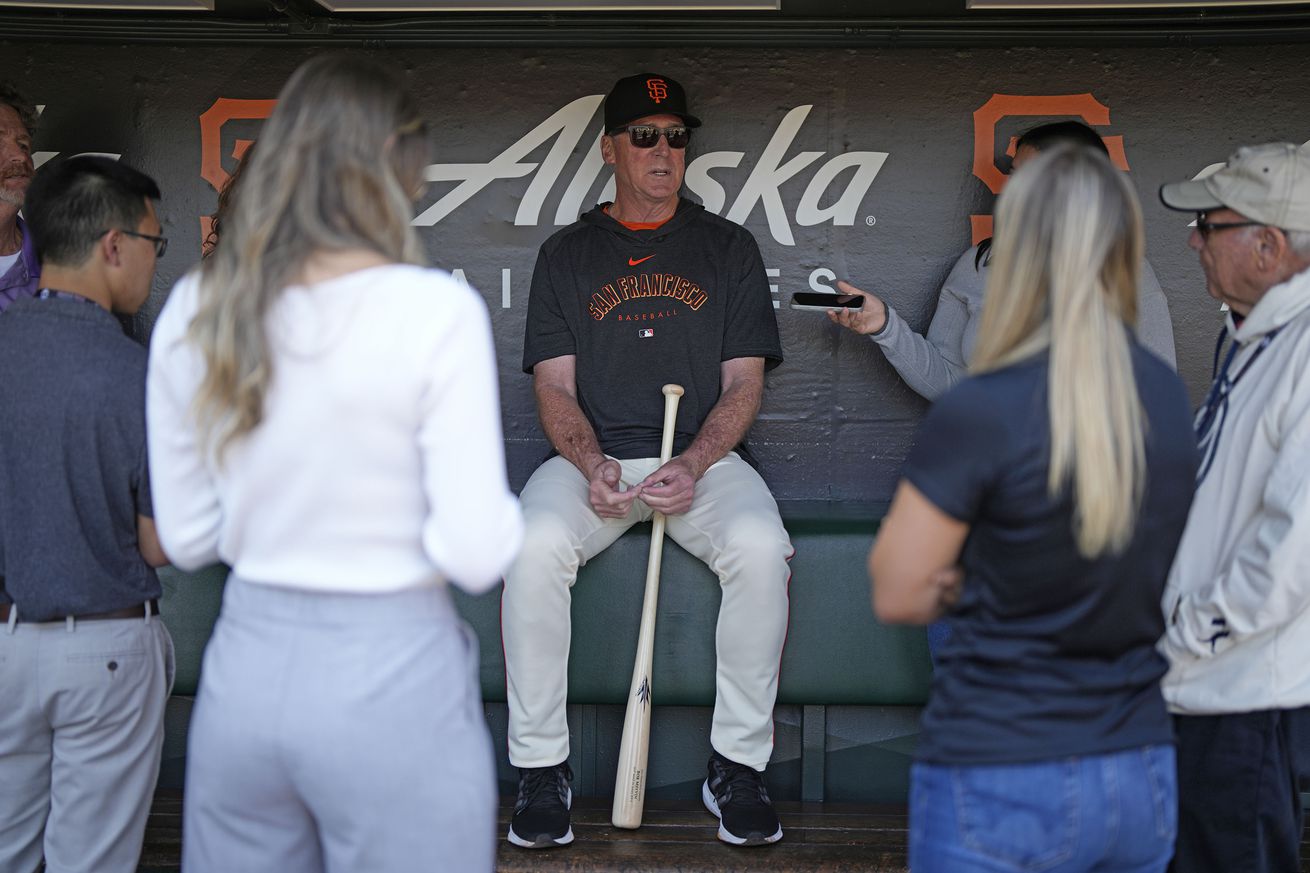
[{"x": 72, "y": 461}]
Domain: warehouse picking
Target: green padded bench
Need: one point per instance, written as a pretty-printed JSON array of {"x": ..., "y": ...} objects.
[{"x": 849, "y": 694}]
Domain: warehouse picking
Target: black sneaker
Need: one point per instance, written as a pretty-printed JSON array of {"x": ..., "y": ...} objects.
[
  {"x": 736, "y": 795},
  {"x": 541, "y": 813}
]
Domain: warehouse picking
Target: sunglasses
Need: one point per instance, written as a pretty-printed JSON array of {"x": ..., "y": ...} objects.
[
  {"x": 644, "y": 136},
  {"x": 1205, "y": 228},
  {"x": 161, "y": 242}
]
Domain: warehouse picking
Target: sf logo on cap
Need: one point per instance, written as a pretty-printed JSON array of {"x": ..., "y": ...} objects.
[{"x": 657, "y": 90}]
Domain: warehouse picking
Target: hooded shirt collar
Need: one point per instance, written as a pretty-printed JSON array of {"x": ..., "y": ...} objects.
[
  {"x": 686, "y": 211},
  {"x": 1277, "y": 307}
]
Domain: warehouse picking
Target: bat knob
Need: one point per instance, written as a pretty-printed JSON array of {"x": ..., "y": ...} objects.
[{"x": 672, "y": 390}]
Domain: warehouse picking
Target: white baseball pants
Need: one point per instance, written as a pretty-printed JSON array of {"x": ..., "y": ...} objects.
[{"x": 733, "y": 526}]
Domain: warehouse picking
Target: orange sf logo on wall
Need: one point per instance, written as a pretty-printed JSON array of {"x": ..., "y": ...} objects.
[
  {"x": 657, "y": 90},
  {"x": 987, "y": 116},
  {"x": 211, "y": 140}
]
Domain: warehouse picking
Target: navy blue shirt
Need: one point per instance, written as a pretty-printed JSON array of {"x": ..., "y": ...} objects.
[
  {"x": 72, "y": 461},
  {"x": 1050, "y": 654}
]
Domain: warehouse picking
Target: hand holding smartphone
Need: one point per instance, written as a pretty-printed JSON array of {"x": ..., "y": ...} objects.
[{"x": 820, "y": 302}]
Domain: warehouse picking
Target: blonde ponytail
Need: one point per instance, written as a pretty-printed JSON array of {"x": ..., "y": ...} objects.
[{"x": 1064, "y": 277}]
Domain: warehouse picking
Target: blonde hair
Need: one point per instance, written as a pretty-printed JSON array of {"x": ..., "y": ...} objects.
[
  {"x": 338, "y": 165},
  {"x": 1064, "y": 276}
]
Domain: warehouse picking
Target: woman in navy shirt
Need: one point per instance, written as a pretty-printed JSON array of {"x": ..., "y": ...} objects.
[{"x": 1058, "y": 477}]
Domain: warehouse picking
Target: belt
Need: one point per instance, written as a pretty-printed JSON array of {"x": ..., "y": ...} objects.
[{"x": 141, "y": 610}]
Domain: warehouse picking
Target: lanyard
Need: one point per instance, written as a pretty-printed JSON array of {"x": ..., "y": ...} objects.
[
  {"x": 1210, "y": 420},
  {"x": 51, "y": 294}
]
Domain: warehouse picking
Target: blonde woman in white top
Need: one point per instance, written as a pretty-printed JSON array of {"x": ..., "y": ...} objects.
[{"x": 323, "y": 417}]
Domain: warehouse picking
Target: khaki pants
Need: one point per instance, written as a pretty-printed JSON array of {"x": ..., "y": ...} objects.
[
  {"x": 81, "y": 730},
  {"x": 733, "y": 526}
]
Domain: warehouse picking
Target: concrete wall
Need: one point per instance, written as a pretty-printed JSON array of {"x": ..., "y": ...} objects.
[{"x": 876, "y": 164}]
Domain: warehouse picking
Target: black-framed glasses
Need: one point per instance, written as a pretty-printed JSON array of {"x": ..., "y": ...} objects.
[
  {"x": 644, "y": 136},
  {"x": 161, "y": 242},
  {"x": 1205, "y": 228}
]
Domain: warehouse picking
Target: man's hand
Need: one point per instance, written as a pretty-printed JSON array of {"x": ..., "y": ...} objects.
[
  {"x": 608, "y": 499},
  {"x": 948, "y": 581},
  {"x": 671, "y": 488},
  {"x": 870, "y": 318},
  {"x": 569, "y": 431}
]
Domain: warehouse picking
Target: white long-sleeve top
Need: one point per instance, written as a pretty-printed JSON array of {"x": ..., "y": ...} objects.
[
  {"x": 1237, "y": 604},
  {"x": 379, "y": 464}
]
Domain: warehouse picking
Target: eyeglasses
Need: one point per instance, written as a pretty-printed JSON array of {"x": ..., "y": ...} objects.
[
  {"x": 161, "y": 242},
  {"x": 644, "y": 136},
  {"x": 1205, "y": 228}
]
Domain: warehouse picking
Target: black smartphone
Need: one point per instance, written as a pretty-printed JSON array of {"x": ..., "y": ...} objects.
[{"x": 824, "y": 302}]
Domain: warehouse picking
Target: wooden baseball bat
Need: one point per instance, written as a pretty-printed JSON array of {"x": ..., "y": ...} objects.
[{"x": 630, "y": 781}]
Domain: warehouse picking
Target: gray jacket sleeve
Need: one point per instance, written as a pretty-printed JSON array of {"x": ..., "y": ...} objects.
[
  {"x": 932, "y": 364},
  {"x": 1155, "y": 329}
]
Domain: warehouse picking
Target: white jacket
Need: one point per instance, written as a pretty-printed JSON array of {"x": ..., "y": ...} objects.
[{"x": 1237, "y": 604}]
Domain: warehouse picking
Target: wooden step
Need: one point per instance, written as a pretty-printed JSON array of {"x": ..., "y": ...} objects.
[
  {"x": 681, "y": 836},
  {"x": 675, "y": 837}
]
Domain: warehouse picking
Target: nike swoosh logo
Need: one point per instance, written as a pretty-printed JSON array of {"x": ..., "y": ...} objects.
[{"x": 634, "y": 262}]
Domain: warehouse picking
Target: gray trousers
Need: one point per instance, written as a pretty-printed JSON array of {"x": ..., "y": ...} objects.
[
  {"x": 81, "y": 730},
  {"x": 339, "y": 732}
]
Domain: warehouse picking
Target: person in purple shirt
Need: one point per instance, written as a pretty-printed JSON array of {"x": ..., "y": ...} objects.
[{"x": 18, "y": 265}]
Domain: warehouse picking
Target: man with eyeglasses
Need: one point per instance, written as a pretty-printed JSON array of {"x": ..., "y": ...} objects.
[
  {"x": 18, "y": 264},
  {"x": 647, "y": 290},
  {"x": 85, "y": 663},
  {"x": 1237, "y": 604}
]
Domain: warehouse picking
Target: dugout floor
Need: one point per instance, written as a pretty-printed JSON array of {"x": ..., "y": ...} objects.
[{"x": 675, "y": 837}]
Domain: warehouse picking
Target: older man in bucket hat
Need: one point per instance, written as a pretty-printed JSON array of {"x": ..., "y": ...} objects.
[{"x": 1237, "y": 603}]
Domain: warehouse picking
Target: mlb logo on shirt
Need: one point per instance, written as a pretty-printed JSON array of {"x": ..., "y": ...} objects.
[{"x": 646, "y": 332}]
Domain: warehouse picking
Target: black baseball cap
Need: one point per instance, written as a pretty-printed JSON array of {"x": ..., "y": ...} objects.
[{"x": 645, "y": 94}]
